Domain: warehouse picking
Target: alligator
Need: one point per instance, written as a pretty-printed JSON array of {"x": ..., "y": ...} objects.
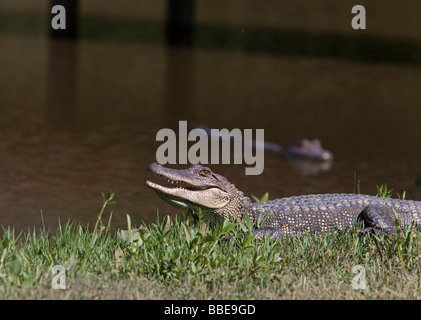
[
  {"x": 199, "y": 188},
  {"x": 301, "y": 149}
]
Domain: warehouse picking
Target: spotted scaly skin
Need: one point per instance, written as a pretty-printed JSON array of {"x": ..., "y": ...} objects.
[
  {"x": 215, "y": 196},
  {"x": 329, "y": 212}
]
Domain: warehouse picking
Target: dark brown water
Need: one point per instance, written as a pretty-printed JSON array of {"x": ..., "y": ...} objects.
[{"x": 80, "y": 119}]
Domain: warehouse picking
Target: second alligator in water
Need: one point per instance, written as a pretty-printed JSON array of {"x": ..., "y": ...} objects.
[
  {"x": 301, "y": 149},
  {"x": 199, "y": 188}
]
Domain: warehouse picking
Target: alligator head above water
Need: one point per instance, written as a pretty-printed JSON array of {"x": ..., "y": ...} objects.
[
  {"x": 199, "y": 187},
  {"x": 308, "y": 149}
]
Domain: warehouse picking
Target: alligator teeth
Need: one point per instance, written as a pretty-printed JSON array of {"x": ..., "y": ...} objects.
[{"x": 179, "y": 184}]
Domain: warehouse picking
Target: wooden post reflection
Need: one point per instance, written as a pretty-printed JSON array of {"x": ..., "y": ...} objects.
[
  {"x": 61, "y": 84},
  {"x": 179, "y": 25},
  {"x": 179, "y": 76},
  {"x": 61, "y": 65}
]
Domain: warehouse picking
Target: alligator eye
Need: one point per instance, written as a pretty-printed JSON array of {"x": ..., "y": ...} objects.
[{"x": 205, "y": 172}]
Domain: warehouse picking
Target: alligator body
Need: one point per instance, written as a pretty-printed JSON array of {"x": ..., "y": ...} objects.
[
  {"x": 301, "y": 149},
  {"x": 198, "y": 187}
]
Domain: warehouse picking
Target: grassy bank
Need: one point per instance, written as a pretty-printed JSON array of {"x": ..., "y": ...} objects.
[
  {"x": 183, "y": 258},
  {"x": 179, "y": 260}
]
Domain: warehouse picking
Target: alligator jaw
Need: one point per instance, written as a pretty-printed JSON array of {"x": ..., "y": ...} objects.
[{"x": 188, "y": 193}]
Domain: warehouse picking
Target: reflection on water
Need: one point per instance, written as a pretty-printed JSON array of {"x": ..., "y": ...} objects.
[
  {"x": 61, "y": 83},
  {"x": 66, "y": 139}
]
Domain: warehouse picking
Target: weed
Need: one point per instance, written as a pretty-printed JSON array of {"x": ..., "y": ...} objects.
[
  {"x": 106, "y": 200},
  {"x": 264, "y": 198}
]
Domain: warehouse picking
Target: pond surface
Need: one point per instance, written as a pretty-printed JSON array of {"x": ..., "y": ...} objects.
[{"x": 80, "y": 119}]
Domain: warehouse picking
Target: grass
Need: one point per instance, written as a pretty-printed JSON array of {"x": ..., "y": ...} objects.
[{"x": 184, "y": 258}]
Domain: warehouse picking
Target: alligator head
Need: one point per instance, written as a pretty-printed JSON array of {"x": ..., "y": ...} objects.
[
  {"x": 308, "y": 149},
  {"x": 198, "y": 187}
]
